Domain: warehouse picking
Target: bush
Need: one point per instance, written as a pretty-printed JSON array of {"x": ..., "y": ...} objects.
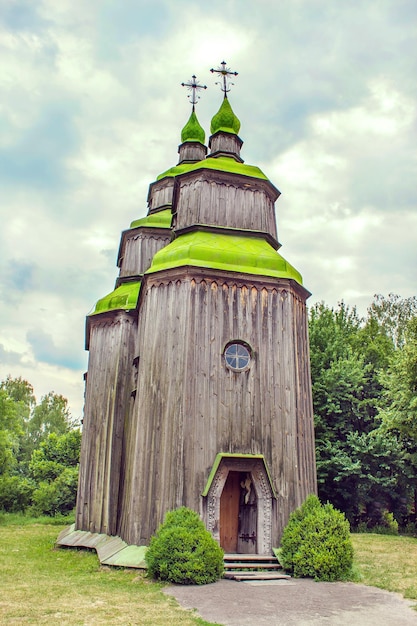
[
  {"x": 316, "y": 542},
  {"x": 57, "y": 497},
  {"x": 183, "y": 551},
  {"x": 15, "y": 493}
]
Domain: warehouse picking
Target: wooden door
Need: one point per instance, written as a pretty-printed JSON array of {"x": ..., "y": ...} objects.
[
  {"x": 248, "y": 516},
  {"x": 229, "y": 513}
]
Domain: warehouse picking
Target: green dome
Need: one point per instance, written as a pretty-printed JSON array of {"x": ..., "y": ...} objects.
[
  {"x": 225, "y": 120},
  {"x": 192, "y": 131},
  {"x": 227, "y": 252},
  {"x": 124, "y": 297}
]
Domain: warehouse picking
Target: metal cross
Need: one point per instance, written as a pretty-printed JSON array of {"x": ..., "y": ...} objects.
[
  {"x": 225, "y": 72},
  {"x": 194, "y": 86}
]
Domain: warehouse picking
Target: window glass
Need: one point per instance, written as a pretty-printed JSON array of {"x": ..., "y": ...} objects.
[{"x": 237, "y": 356}]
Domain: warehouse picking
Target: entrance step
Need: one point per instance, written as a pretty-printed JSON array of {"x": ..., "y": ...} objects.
[{"x": 243, "y": 567}]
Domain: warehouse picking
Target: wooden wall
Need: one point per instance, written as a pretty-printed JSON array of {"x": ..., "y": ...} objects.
[
  {"x": 189, "y": 406},
  {"x": 204, "y": 198},
  {"x": 138, "y": 247},
  {"x": 107, "y": 399}
]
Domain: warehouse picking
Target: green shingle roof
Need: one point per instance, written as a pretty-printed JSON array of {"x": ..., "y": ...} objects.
[
  {"x": 229, "y": 252},
  {"x": 160, "y": 219},
  {"x": 124, "y": 297},
  {"x": 221, "y": 164}
]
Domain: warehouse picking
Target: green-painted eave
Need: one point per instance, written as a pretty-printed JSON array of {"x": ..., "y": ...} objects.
[
  {"x": 160, "y": 219},
  {"x": 227, "y": 252},
  {"x": 220, "y": 164},
  {"x": 124, "y": 298},
  {"x": 228, "y": 455}
]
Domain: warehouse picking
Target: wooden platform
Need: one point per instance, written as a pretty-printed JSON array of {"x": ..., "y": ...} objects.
[
  {"x": 110, "y": 550},
  {"x": 244, "y": 567}
]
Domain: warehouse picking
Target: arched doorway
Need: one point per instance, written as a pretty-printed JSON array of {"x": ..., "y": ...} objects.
[
  {"x": 238, "y": 504},
  {"x": 238, "y": 514}
]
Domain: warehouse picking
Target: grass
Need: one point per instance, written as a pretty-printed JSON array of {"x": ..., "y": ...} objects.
[
  {"x": 387, "y": 562},
  {"x": 42, "y": 584}
]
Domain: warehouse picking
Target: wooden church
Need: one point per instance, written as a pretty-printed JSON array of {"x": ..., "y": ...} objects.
[{"x": 198, "y": 388}]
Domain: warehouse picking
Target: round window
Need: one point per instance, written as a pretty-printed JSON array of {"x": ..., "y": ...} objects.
[{"x": 237, "y": 356}]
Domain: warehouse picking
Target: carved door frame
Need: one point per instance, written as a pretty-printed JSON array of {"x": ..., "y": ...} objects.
[{"x": 256, "y": 467}]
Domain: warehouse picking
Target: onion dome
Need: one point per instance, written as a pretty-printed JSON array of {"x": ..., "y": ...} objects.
[
  {"x": 193, "y": 131},
  {"x": 225, "y": 120}
]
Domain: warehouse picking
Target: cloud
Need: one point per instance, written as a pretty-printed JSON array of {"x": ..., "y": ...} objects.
[
  {"x": 91, "y": 113},
  {"x": 8, "y": 357},
  {"x": 45, "y": 351}
]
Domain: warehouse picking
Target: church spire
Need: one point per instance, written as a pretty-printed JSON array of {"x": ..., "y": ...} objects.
[
  {"x": 225, "y": 125},
  {"x": 192, "y": 148}
]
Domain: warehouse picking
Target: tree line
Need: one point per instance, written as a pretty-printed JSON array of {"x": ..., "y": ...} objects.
[
  {"x": 39, "y": 451},
  {"x": 364, "y": 379},
  {"x": 364, "y": 382}
]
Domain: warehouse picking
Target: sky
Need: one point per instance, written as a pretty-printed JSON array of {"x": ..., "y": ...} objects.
[{"x": 91, "y": 111}]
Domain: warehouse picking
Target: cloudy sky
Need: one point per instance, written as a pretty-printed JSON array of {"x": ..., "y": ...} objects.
[{"x": 91, "y": 111}]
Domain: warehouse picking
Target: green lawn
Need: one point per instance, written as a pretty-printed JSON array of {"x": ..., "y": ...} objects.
[
  {"x": 388, "y": 562},
  {"x": 42, "y": 584}
]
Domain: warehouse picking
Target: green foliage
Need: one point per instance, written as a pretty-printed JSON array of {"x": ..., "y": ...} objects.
[
  {"x": 363, "y": 465},
  {"x": 393, "y": 314},
  {"x": 39, "y": 451},
  {"x": 15, "y": 493},
  {"x": 58, "y": 496},
  {"x": 316, "y": 542},
  {"x": 183, "y": 516},
  {"x": 55, "y": 454},
  {"x": 50, "y": 416},
  {"x": 54, "y": 466},
  {"x": 183, "y": 551}
]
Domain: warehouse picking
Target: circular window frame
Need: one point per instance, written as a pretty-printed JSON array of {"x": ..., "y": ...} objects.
[{"x": 247, "y": 355}]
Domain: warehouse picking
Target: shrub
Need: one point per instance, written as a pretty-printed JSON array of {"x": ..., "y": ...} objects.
[
  {"x": 57, "y": 497},
  {"x": 316, "y": 542},
  {"x": 15, "y": 493},
  {"x": 183, "y": 551},
  {"x": 389, "y": 525}
]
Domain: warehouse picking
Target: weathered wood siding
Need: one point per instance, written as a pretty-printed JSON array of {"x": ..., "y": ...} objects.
[
  {"x": 189, "y": 406},
  {"x": 138, "y": 248},
  {"x": 160, "y": 193},
  {"x": 244, "y": 204},
  {"x": 107, "y": 398},
  {"x": 225, "y": 144},
  {"x": 191, "y": 152}
]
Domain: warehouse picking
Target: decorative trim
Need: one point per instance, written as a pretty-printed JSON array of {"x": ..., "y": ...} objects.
[{"x": 254, "y": 464}]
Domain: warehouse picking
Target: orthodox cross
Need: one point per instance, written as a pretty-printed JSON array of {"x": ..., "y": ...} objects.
[
  {"x": 194, "y": 86},
  {"x": 225, "y": 72}
]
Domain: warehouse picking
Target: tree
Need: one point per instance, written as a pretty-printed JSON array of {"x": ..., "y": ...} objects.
[
  {"x": 357, "y": 466},
  {"x": 50, "y": 416},
  {"x": 393, "y": 314},
  {"x": 54, "y": 468},
  {"x": 399, "y": 415},
  {"x": 39, "y": 450}
]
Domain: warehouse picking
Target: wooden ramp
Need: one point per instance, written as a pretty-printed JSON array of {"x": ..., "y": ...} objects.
[
  {"x": 244, "y": 567},
  {"x": 110, "y": 550}
]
